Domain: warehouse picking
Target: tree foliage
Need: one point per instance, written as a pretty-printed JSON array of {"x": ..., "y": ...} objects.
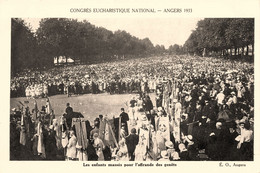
[
  {"x": 70, "y": 38},
  {"x": 86, "y": 42},
  {"x": 23, "y": 46},
  {"x": 221, "y": 34}
]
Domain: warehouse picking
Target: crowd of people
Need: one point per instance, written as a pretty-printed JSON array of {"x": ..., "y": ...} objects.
[{"x": 204, "y": 109}]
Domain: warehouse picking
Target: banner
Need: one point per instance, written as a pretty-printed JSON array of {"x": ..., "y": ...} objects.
[
  {"x": 163, "y": 127},
  {"x": 102, "y": 125},
  {"x": 144, "y": 137},
  {"x": 109, "y": 136}
]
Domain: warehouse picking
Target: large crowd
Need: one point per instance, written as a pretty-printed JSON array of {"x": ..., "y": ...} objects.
[{"x": 204, "y": 110}]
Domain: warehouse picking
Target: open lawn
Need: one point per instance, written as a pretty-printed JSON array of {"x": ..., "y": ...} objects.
[{"x": 90, "y": 105}]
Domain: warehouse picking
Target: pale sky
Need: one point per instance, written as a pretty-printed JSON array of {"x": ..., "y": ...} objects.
[{"x": 162, "y": 31}]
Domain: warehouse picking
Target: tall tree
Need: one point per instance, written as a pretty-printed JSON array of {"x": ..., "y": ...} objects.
[{"x": 23, "y": 46}]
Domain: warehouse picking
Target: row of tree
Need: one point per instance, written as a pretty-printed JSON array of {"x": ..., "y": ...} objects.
[
  {"x": 78, "y": 40},
  {"x": 86, "y": 43},
  {"x": 224, "y": 36}
]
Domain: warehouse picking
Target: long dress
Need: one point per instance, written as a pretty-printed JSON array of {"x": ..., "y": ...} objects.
[
  {"x": 140, "y": 152},
  {"x": 71, "y": 150},
  {"x": 123, "y": 153},
  {"x": 99, "y": 146},
  {"x": 40, "y": 146}
]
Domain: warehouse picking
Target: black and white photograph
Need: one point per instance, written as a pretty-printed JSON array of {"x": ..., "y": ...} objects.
[
  {"x": 129, "y": 86},
  {"x": 132, "y": 90}
]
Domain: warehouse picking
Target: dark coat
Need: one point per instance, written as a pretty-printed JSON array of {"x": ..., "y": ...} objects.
[
  {"x": 124, "y": 117},
  {"x": 131, "y": 142}
]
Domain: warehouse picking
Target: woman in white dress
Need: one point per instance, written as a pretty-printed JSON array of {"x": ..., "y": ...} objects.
[
  {"x": 140, "y": 152},
  {"x": 99, "y": 146},
  {"x": 71, "y": 147},
  {"x": 122, "y": 153}
]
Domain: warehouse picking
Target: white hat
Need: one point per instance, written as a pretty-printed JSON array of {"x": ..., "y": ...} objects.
[
  {"x": 169, "y": 144},
  {"x": 189, "y": 137},
  {"x": 182, "y": 147},
  {"x": 218, "y": 124},
  {"x": 164, "y": 154},
  {"x": 144, "y": 118}
]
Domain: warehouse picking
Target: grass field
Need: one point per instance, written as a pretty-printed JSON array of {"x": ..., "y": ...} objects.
[{"x": 90, "y": 105}]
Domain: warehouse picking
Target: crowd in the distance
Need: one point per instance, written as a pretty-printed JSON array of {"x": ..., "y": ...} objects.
[{"x": 213, "y": 100}]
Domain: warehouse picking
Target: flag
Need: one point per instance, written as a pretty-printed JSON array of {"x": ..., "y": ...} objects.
[
  {"x": 22, "y": 132},
  {"x": 102, "y": 126},
  {"x": 84, "y": 134},
  {"x": 81, "y": 132},
  {"x": 109, "y": 136},
  {"x": 144, "y": 137}
]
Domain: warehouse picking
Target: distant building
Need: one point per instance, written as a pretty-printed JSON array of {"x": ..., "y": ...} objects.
[{"x": 61, "y": 60}]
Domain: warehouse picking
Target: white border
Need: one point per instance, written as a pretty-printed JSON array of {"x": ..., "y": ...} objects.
[{"x": 42, "y": 9}]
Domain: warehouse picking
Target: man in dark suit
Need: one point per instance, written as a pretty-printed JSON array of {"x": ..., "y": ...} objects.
[
  {"x": 69, "y": 115},
  {"x": 124, "y": 118},
  {"x": 131, "y": 142},
  {"x": 69, "y": 109}
]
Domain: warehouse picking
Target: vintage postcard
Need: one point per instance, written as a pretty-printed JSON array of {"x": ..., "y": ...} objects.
[{"x": 93, "y": 86}]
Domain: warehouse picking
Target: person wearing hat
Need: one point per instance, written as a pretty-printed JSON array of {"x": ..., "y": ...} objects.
[
  {"x": 173, "y": 155},
  {"x": 191, "y": 147},
  {"x": 164, "y": 156},
  {"x": 184, "y": 155},
  {"x": 131, "y": 142}
]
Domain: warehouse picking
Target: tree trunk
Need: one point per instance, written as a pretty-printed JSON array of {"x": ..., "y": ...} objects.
[
  {"x": 243, "y": 51},
  {"x": 247, "y": 49},
  {"x": 253, "y": 49},
  {"x": 235, "y": 51}
]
